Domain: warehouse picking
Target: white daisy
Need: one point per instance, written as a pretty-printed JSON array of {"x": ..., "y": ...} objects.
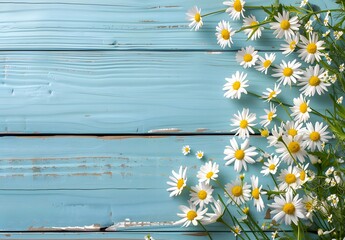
[
  {"x": 312, "y": 81},
  {"x": 186, "y": 150},
  {"x": 270, "y": 114},
  {"x": 208, "y": 172},
  {"x": 277, "y": 133},
  {"x": 199, "y": 154},
  {"x": 238, "y": 191},
  {"x": 342, "y": 67},
  {"x": 309, "y": 205},
  {"x": 271, "y": 166},
  {"x": 224, "y": 34},
  {"x": 194, "y": 16},
  {"x": 235, "y": 9},
  {"x": 201, "y": 194},
  {"x": 340, "y": 100},
  {"x": 243, "y": 123},
  {"x": 265, "y": 63},
  {"x": 289, "y": 72},
  {"x": 218, "y": 211},
  {"x": 236, "y": 85},
  {"x": 285, "y": 26},
  {"x": 289, "y": 178},
  {"x": 303, "y": 174},
  {"x": 292, "y": 128},
  {"x": 240, "y": 155},
  {"x": 338, "y": 34},
  {"x": 315, "y": 136},
  {"x": 254, "y": 31},
  {"x": 301, "y": 109},
  {"x": 247, "y": 57},
  {"x": 178, "y": 183},
  {"x": 256, "y": 194},
  {"x": 236, "y": 230},
  {"x": 271, "y": 93},
  {"x": 310, "y": 49},
  {"x": 292, "y": 42},
  {"x": 264, "y": 132},
  {"x": 289, "y": 208},
  {"x": 190, "y": 215},
  {"x": 293, "y": 147}
]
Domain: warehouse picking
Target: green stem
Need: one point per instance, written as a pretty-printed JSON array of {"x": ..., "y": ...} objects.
[
  {"x": 208, "y": 234},
  {"x": 215, "y": 12}
]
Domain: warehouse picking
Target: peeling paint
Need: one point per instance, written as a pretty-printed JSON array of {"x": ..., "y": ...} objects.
[
  {"x": 165, "y": 130},
  {"x": 199, "y": 130},
  {"x": 93, "y": 227},
  {"x": 129, "y": 224}
]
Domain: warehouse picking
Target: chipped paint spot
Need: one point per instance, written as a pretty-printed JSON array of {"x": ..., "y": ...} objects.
[
  {"x": 165, "y": 130},
  {"x": 213, "y": 52},
  {"x": 129, "y": 224},
  {"x": 199, "y": 130},
  {"x": 93, "y": 227}
]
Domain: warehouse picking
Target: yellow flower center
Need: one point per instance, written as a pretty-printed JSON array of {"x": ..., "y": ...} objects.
[
  {"x": 202, "y": 194},
  {"x": 191, "y": 215},
  {"x": 290, "y": 178},
  {"x": 289, "y": 208},
  {"x": 180, "y": 183},
  {"x": 236, "y": 191},
  {"x": 314, "y": 81},
  {"x": 272, "y": 167},
  {"x": 209, "y": 174},
  {"x": 302, "y": 175},
  {"x": 293, "y": 147},
  {"x": 256, "y": 193},
  {"x": 265, "y": 133},
  {"x": 236, "y": 85},
  {"x": 254, "y": 23},
  {"x": 308, "y": 206},
  {"x": 285, "y": 25},
  {"x": 247, "y": 57},
  {"x": 292, "y": 45},
  {"x": 243, "y": 123},
  {"x": 238, "y": 6},
  {"x": 200, "y": 155},
  {"x": 239, "y": 154},
  {"x": 287, "y": 72},
  {"x": 225, "y": 34},
  {"x": 311, "y": 48},
  {"x": 314, "y": 136},
  {"x": 197, "y": 17},
  {"x": 186, "y": 149},
  {"x": 303, "y": 107},
  {"x": 292, "y": 132},
  {"x": 267, "y": 63},
  {"x": 245, "y": 210},
  {"x": 270, "y": 116},
  {"x": 271, "y": 95}
]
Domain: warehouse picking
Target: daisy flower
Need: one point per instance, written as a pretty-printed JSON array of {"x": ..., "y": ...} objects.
[
  {"x": 309, "y": 205},
  {"x": 186, "y": 150},
  {"x": 190, "y": 215},
  {"x": 201, "y": 194},
  {"x": 315, "y": 136},
  {"x": 288, "y": 72},
  {"x": 265, "y": 63},
  {"x": 236, "y": 230},
  {"x": 199, "y": 154},
  {"x": 271, "y": 166},
  {"x": 289, "y": 208},
  {"x": 194, "y": 16},
  {"x": 289, "y": 178},
  {"x": 240, "y": 155},
  {"x": 252, "y": 32},
  {"x": 312, "y": 81},
  {"x": 243, "y": 123},
  {"x": 310, "y": 49},
  {"x": 303, "y": 176},
  {"x": 292, "y": 128},
  {"x": 270, "y": 114},
  {"x": 276, "y": 135},
  {"x": 179, "y": 181},
  {"x": 236, "y": 85},
  {"x": 235, "y": 9},
  {"x": 271, "y": 93},
  {"x": 264, "y": 132},
  {"x": 247, "y": 57},
  {"x": 293, "y": 147},
  {"x": 292, "y": 42},
  {"x": 256, "y": 194},
  {"x": 340, "y": 100},
  {"x": 224, "y": 34},
  {"x": 218, "y": 211},
  {"x": 238, "y": 191},
  {"x": 208, "y": 172},
  {"x": 301, "y": 109},
  {"x": 285, "y": 26},
  {"x": 342, "y": 67}
]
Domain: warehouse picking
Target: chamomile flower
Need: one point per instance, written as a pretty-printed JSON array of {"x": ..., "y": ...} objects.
[
  {"x": 271, "y": 93},
  {"x": 238, "y": 191},
  {"x": 271, "y": 166},
  {"x": 265, "y": 63},
  {"x": 326, "y": 19},
  {"x": 247, "y": 57},
  {"x": 303, "y": 174},
  {"x": 224, "y": 34},
  {"x": 186, "y": 150},
  {"x": 310, "y": 48},
  {"x": 264, "y": 132},
  {"x": 194, "y": 16},
  {"x": 340, "y": 100},
  {"x": 240, "y": 155},
  {"x": 190, "y": 215},
  {"x": 254, "y": 31},
  {"x": 199, "y": 154},
  {"x": 342, "y": 67},
  {"x": 293, "y": 147},
  {"x": 315, "y": 136},
  {"x": 289, "y": 72},
  {"x": 285, "y": 26},
  {"x": 290, "y": 46},
  {"x": 235, "y": 9},
  {"x": 236, "y": 230},
  {"x": 243, "y": 123},
  {"x": 256, "y": 194},
  {"x": 218, "y": 211},
  {"x": 289, "y": 208},
  {"x": 178, "y": 183},
  {"x": 292, "y": 128},
  {"x": 277, "y": 133},
  {"x": 312, "y": 81},
  {"x": 303, "y": 3},
  {"x": 270, "y": 114},
  {"x": 338, "y": 34},
  {"x": 201, "y": 194},
  {"x": 236, "y": 85},
  {"x": 209, "y": 171},
  {"x": 301, "y": 109},
  {"x": 309, "y": 205},
  {"x": 289, "y": 178}
]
